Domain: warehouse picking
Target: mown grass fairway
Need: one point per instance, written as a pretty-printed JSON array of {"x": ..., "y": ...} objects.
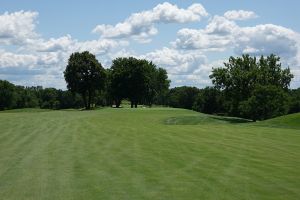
[{"x": 146, "y": 154}]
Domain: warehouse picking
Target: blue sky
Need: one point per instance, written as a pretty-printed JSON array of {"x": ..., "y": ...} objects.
[{"x": 187, "y": 38}]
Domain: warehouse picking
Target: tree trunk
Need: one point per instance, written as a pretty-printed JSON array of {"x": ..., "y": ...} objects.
[
  {"x": 84, "y": 100},
  {"x": 89, "y": 101},
  {"x": 118, "y": 102},
  {"x": 135, "y": 104},
  {"x": 131, "y": 104}
]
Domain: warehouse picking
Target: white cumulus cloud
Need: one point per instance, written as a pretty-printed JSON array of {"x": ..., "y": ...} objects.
[
  {"x": 140, "y": 26},
  {"x": 176, "y": 62},
  {"x": 17, "y": 28},
  {"x": 216, "y": 36},
  {"x": 222, "y": 34},
  {"x": 33, "y": 56},
  {"x": 240, "y": 15}
]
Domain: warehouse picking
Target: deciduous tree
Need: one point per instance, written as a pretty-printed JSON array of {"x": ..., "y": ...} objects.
[{"x": 84, "y": 75}]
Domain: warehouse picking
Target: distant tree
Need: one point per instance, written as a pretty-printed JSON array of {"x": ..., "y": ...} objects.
[
  {"x": 15, "y": 96},
  {"x": 265, "y": 102},
  {"x": 7, "y": 95},
  {"x": 67, "y": 99},
  {"x": 209, "y": 100},
  {"x": 49, "y": 98},
  {"x": 138, "y": 80},
  {"x": 84, "y": 75},
  {"x": 242, "y": 75},
  {"x": 129, "y": 80},
  {"x": 108, "y": 89},
  {"x": 118, "y": 80},
  {"x": 26, "y": 97},
  {"x": 294, "y": 100},
  {"x": 183, "y": 97},
  {"x": 160, "y": 87}
]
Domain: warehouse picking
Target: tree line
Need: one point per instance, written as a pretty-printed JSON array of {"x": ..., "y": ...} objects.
[
  {"x": 248, "y": 87},
  {"x": 14, "y": 96}
]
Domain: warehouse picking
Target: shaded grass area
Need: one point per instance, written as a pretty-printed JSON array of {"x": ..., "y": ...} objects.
[
  {"x": 132, "y": 154},
  {"x": 31, "y": 110},
  {"x": 194, "y": 119}
]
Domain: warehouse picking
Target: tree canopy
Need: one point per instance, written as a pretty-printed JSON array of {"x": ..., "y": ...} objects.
[
  {"x": 84, "y": 75},
  {"x": 140, "y": 81},
  {"x": 241, "y": 78},
  {"x": 183, "y": 97},
  {"x": 209, "y": 101},
  {"x": 7, "y": 90}
]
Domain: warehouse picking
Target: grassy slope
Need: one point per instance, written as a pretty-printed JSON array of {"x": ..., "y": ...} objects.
[
  {"x": 288, "y": 121},
  {"x": 132, "y": 154}
]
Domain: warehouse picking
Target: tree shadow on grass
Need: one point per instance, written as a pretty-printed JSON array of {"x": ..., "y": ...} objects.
[
  {"x": 231, "y": 120},
  {"x": 204, "y": 119}
]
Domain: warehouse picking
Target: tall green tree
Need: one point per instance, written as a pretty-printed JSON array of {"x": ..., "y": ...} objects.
[
  {"x": 159, "y": 86},
  {"x": 84, "y": 75},
  {"x": 241, "y": 76},
  {"x": 138, "y": 80},
  {"x": 129, "y": 80},
  {"x": 118, "y": 80}
]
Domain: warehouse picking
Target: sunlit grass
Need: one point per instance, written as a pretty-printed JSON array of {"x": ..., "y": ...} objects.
[{"x": 157, "y": 153}]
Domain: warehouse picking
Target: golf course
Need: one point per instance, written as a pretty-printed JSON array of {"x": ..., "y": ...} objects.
[{"x": 146, "y": 153}]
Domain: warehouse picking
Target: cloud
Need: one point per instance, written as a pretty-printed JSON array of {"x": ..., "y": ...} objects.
[
  {"x": 216, "y": 36},
  {"x": 221, "y": 26},
  {"x": 48, "y": 58},
  {"x": 26, "y": 55},
  {"x": 266, "y": 39},
  {"x": 28, "y": 58},
  {"x": 240, "y": 15},
  {"x": 8, "y": 59},
  {"x": 99, "y": 47},
  {"x": 17, "y": 28},
  {"x": 24, "y": 69},
  {"x": 52, "y": 45},
  {"x": 222, "y": 34},
  {"x": 140, "y": 26},
  {"x": 183, "y": 67},
  {"x": 192, "y": 39},
  {"x": 68, "y": 44},
  {"x": 176, "y": 62}
]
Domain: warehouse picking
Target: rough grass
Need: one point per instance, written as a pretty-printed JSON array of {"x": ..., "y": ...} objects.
[{"x": 134, "y": 154}]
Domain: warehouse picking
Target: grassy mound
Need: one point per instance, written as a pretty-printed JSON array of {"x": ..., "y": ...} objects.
[{"x": 287, "y": 121}]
